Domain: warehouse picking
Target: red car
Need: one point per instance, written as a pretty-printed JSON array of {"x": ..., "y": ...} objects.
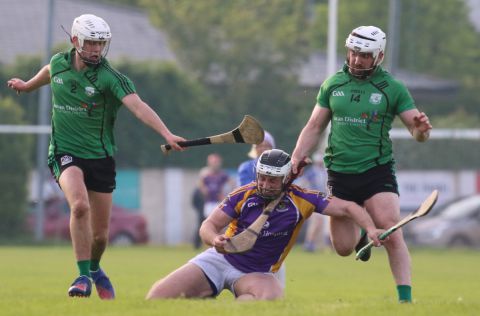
[{"x": 126, "y": 228}]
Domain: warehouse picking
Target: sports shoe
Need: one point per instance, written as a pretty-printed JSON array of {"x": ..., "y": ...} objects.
[
  {"x": 81, "y": 287},
  {"x": 102, "y": 283},
  {"x": 361, "y": 243}
]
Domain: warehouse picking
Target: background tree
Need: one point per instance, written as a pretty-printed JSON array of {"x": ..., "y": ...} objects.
[
  {"x": 246, "y": 53},
  {"x": 181, "y": 102},
  {"x": 14, "y": 168},
  {"x": 436, "y": 37}
]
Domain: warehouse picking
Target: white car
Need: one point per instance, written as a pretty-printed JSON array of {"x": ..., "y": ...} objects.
[{"x": 457, "y": 224}]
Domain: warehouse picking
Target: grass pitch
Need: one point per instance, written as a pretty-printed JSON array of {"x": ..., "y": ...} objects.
[{"x": 34, "y": 281}]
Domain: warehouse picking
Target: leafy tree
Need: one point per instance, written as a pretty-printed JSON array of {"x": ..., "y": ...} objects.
[
  {"x": 181, "y": 103},
  {"x": 245, "y": 53},
  {"x": 14, "y": 168},
  {"x": 25, "y": 68}
]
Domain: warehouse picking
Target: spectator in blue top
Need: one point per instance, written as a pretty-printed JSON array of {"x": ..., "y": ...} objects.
[{"x": 246, "y": 170}]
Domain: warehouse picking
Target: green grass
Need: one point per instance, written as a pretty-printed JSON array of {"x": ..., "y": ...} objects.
[{"x": 34, "y": 281}]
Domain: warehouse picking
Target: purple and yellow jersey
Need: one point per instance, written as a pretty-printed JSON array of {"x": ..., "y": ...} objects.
[{"x": 279, "y": 233}]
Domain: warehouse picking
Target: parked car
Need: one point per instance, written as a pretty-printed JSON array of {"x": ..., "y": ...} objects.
[
  {"x": 456, "y": 224},
  {"x": 125, "y": 227}
]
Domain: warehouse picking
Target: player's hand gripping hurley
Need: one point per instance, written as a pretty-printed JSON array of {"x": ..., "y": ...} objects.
[
  {"x": 423, "y": 210},
  {"x": 245, "y": 240},
  {"x": 249, "y": 132}
]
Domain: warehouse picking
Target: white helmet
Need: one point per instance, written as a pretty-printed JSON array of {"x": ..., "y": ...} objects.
[
  {"x": 367, "y": 39},
  {"x": 91, "y": 28}
]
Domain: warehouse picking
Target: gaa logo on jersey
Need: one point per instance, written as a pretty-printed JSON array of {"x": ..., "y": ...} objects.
[
  {"x": 375, "y": 98},
  {"x": 337, "y": 93},
  {"x": 89, "y": 91},
  {"x": 57, "y": 80}
]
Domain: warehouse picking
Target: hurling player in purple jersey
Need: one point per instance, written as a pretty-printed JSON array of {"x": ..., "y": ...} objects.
[{"x": 251, "y": 275}]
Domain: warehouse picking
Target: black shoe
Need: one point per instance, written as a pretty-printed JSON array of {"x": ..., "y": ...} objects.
[{"x": 361, "y": 243}]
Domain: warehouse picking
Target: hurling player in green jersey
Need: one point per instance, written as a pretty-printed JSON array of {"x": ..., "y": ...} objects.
[
  {"x": 361, "y": 101},
  {"x": 87, "y": 94}
]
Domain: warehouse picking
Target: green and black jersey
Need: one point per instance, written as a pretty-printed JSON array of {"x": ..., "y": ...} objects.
[
  {"x": 85, "y": 106},
  {"x": 362, "y": 116}
]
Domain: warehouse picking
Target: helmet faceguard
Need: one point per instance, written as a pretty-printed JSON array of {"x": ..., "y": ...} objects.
[
  {"x": 370, "y": 40},
  {"x": 89, "y": 27},
  {"x": 273, "y": 163}
]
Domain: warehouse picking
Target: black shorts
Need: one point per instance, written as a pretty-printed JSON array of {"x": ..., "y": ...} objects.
[
  {"x": 99, "y": 174},
  {"x": 362, "y": 186}
]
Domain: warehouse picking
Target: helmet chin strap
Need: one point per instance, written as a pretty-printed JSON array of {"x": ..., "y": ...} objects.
[
  {"x": 89, "y": 61},
  {"x": 268, "y": 197},
  {"x": 364, "y": 73}
]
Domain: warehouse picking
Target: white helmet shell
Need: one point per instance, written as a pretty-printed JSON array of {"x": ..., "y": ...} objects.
[
  {"x": 367, "y": 39},
  {"x": 91, "y": 28}
]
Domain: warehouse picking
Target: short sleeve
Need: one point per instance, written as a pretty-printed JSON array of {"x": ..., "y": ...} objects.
[{"x": 323, "y": 97}]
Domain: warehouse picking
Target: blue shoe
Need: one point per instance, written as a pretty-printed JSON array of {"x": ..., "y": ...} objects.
[
  {"x": 81, "y": 287},
  {"x": 361, "y": 243},
  {"x": 102, "y": 283}
]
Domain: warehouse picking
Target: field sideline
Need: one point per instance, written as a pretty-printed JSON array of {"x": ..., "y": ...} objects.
[{"x": 34, "y": 281}]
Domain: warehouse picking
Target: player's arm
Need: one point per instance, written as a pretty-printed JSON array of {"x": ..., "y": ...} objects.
[
  {"x": 211, "y": 230},
  {"x": 40, "y": 79},
  {"x": 310, "y": 134},
  {"x": 341, "y": 208},
  {"x": 417, "y": 123},
  {"x": 149, "y": 117}
]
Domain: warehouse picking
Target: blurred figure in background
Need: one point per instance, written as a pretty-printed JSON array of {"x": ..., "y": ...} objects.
[
  {"x": 315, "y": 177},
  {"x": 213, "y": 184},
  {"x": 198, "y": 203}
]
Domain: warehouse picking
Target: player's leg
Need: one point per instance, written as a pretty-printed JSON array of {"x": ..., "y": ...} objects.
[
  {"x": 344, "y": 235},
  {"x": 188, "y": 281},
  {"x": 101, "y": 205},
  {"x": 258, "y": 286},
  {"x": 71, "y": 182},
  {"x": 385, "y": 210}
]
